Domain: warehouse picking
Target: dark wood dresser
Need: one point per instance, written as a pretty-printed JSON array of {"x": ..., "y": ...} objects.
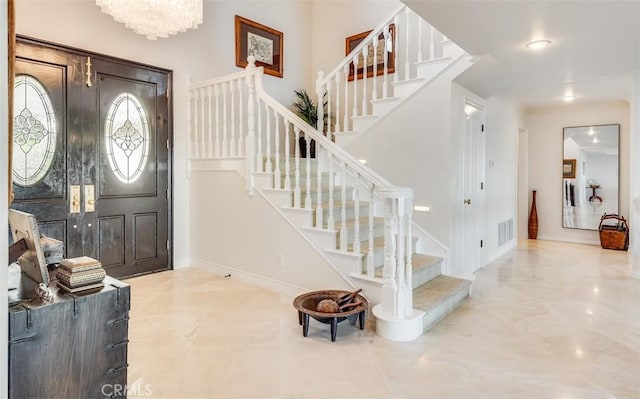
[{"x": 72, "y": 347}]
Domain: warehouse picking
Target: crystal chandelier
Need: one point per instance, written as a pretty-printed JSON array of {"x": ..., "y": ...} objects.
[{"x": 155, "y": 18}]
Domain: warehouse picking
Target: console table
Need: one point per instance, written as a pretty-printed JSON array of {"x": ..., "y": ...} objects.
[
  {"x": 594, "y": 196},
  {"x": 72, "y": 347}
]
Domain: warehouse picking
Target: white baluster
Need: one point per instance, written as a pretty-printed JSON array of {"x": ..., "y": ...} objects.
[
  {"x": 225, "y": 142},
  {"x": 400, "y": 247},
  {"x": 268, "y": 168},
  {"x": 343, "y": 224},
  {"x": 320, "y": 93},
  {"x": 374, "y": 93},
  {"x": 319, "y": 194},
  {"x": 307, "y": 197},
  {"x": 365, "y": 54},
  {"x": 356, "y": 213},
  {"x": 241, "y": 118},
  {"x": 218, "y": 145},
  {"x": 432, "y": 42},
  {"x": 397, "y": 50},
  {"x": 277, "y": 177},
  {"x": 326, "y": 129},
  {"x": 259, "y": 154},
  {"x": 331, "y": 222},
  {"x": 345, "y": 125},
  {"x": 370, "y": 256},
  {"x": 385, "y": 71},
  {"x": 209, "y": 152},
  {"x": 337, "y": 127},
  {"x": 287, "y": 155},
  {"x": 250, "y": 143},
  {"x": 296, "y": 189},
  {"x": 355, "y": 86},
  {"x": 419, "y": 37},
  {"x": 203, "y": 125},
  {"x": 407, "y": 54},
  {"x": 233, "y": 142},
  {"x": 191, "y": 121}
]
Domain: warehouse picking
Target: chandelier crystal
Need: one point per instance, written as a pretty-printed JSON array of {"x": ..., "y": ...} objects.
[{"x": 155, "y": 18}]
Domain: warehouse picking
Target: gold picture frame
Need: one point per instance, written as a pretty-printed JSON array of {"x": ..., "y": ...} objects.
[
  {"x": 569, "y": 169},
  {"x": 264, "y": 43},
  {"x": 352, "y": 42}
]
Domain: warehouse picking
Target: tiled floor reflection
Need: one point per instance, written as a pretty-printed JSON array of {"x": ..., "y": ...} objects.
[{"x": 548, "y": 320}]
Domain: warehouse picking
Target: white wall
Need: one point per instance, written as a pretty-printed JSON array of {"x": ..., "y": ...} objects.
[
  {"x": 503, "y": 120},
  {"x": 4, "y": 109},
  {"x": 247, "y": 237},
  {"x": 204, "y": 53},
  {"x": 545, "y": 160}
]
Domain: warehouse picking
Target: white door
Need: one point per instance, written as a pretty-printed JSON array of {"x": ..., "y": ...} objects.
[{"x": 473, "y": 175}]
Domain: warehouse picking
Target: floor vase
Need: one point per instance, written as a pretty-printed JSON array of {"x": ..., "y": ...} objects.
[{"x": 533, "y": 219}]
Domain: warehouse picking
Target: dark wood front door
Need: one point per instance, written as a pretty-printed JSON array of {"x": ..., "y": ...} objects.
[{"x": 91, "y": 157}]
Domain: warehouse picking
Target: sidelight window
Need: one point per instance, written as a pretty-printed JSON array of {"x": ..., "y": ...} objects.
[
  {"x": 127, "y": 137},
  {"x": 34, "y": 131}
]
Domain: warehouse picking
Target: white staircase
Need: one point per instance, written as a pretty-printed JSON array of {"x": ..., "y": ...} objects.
[{"x": 357, "y": 220}]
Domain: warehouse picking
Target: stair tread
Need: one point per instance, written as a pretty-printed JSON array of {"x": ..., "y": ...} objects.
[
  {"x": 407, "y": 81},
  {"x": 435, "y": 291},
  {"x": 388, "y": 99},
  {"x": 418, "y": 262},
  {"x": 433, "y": 61},
  {"x": 372, "y": 116}
]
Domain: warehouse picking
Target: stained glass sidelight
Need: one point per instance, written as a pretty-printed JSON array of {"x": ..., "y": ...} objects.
[
  {"x": 127, "y": 137},
  {"x": 34, "y": 131}
]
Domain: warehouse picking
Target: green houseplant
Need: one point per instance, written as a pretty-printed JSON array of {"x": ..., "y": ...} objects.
[{"x": 307, "y": 110}]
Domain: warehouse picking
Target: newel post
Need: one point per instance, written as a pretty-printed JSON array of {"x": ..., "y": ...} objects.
[
  {"x": 395, "y": 317},
  {"x": 250, "y": 142}
]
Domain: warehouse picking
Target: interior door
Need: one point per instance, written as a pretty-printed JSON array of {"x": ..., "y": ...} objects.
[
  {"x": 473, "y": 188},
  {"x": 91, "y": 154}
]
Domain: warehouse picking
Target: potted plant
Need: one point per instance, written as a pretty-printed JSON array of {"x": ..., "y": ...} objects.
[{"x": 307, "y": 110}]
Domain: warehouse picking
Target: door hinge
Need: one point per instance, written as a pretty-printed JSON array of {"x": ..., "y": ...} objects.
[
  {"x": 481, "y": 243},
  {"x": 88, "y": 64},
  {"x": 482, "y": 128},
  {"x": 168, "y": 146},
  {"x": 168, "y": 245},
  {"x": 481, "y": 185}
]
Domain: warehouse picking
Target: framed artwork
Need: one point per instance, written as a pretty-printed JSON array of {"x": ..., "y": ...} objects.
[
  {"x": 264, "y": 43},
  {"x": 353, "y": 41},
  {"x": 569, "y": 169}
]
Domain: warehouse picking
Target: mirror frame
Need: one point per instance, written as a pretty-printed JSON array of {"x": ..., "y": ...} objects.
[{"x": 574, "y": 170}]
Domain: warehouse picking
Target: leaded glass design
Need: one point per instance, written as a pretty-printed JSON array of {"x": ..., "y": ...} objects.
[
  {"x": 127, "y": 137},
  {"x": 34, "y": 131}
]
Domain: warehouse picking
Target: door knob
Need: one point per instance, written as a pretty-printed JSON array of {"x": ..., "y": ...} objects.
[{"x": 467, "y": 201}]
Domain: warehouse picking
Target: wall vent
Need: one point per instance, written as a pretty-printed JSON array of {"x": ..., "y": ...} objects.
[{"x": 505, "y": 232}]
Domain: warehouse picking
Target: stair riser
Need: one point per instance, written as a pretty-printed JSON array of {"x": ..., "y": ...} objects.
[
  {"x": 337, "y": 213},
  {"x": 378, "y": 253},
  {"x": 383, "y": 107},
  {"x": 405, "y": 90},
  {"x": 303, "y": 181},
  {"x": 362, "y": 124},
  {"x": 429, "y": 70},
  {"x": 432, "y": 317},
  {"x": 450, "y": 49},
  {"x": 426, "y": 274},
  {"x": 378, "y": 231},
  {"x": 337, "y": 194},
  {"x": 292, "y": 164}
]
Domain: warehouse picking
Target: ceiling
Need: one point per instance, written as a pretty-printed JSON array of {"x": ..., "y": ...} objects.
[{"x": 595, "y": 47}]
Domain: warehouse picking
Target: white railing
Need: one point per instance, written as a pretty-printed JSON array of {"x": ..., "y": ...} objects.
[
  {"x": 394, "y": 50},
  {"x": 233, "y": 117}
]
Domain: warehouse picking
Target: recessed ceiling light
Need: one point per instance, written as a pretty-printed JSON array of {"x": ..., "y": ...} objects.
[
  {"x": 568, "y": 98},
  {"x": 538, "y": 44}
]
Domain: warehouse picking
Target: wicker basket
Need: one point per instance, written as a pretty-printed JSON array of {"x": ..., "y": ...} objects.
[{"x": 614, "y": 236}]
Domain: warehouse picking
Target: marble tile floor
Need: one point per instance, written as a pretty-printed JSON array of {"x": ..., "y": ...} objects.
[{"x": 547, "y": 320}]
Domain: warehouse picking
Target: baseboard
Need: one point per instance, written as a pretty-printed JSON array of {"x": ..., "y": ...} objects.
[
  {"x": 571, "y": 240},
  {"x": 501, "y": 251},
  {"x": 249, "y": 278}
]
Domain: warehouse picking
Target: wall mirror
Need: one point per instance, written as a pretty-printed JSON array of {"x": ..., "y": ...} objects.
[{"x": 590, "y": 174}]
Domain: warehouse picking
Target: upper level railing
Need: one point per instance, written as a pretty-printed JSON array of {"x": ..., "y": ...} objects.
[
  {"x": 232, "y": 117},
  {"x": 392, "y": 52}
]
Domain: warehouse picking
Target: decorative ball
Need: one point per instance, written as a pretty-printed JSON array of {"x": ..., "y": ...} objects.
[{"x": 327, "y": 306}]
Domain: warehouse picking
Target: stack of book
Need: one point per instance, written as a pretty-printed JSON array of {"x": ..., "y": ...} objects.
[{"x": 80, "y": 274}]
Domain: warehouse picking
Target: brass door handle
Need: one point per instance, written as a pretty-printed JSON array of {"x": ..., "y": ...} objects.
[
  {"x": 467, "y": 201},
  {"x": 91, "y": 202}
]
